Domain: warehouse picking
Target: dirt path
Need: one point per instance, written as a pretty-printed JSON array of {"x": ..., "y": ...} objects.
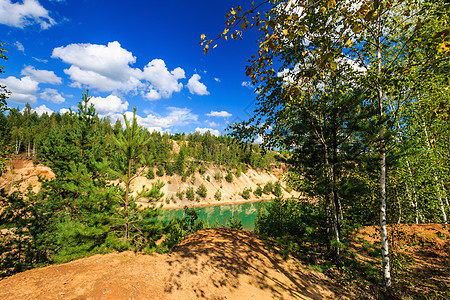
[{"x": 210, "y": 264}]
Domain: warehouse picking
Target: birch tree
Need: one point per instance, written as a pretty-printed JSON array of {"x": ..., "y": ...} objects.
[{"x": 387, "y": 39}]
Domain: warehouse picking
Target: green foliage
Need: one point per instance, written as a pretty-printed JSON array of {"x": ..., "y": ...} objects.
[
  {"x": 296, "y": 220},
  {"x": 238, "y": 171},
  {"x": 202, "y": 191},
  {"x": 246, "y": 193},
  {"x": 268, "y": 188},
  {"x": 160, "y": 171},
  {"x": 202, "y": 169},
  {"x": 229, "y": 177},
  {"x": 258, "y": 191},
  {"x": 235, "y": 223},
  {"x": 218, "y": 195},
  {"x": 218, "y": 175},
  {"x": 150, "y": 173},
  {"x": 180, "y": 195},
  {"x": 179, "y": 228},
  {"x": 277, "y": 189},
  {"x": 190, "y": 194}
]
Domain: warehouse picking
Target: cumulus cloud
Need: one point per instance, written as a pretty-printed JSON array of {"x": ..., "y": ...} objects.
[
  {"x": 19, "y": 45},
  {"x": 259, "y": 139},
  {"x": 22, "y": 90},
  {"x": 64, "y": 110},
  {"x": 108, "y": 69},
  {"x": 205, "y": 130},
  {"x": 223, "y": 114},
  {"x": 176, "y": 117},
  {"x": 196, "y": 87},
  {"x": 28, "y": 12},
  {"x": 40, "y": 110},
  {"x": 162, "y": 82},
  {"x": 109, "y": 106},
  {"x": 247, "y": 84},
  {"x": 52, "y": 95},
  {"x": 41, "y": 76}
]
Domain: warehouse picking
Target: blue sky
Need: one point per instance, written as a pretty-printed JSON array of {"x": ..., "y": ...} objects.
[{"x": 128, "y": 53}]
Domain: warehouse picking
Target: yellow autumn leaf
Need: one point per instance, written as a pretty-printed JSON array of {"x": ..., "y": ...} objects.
[
  {"x": 202, "y": 36},
  {"x": 333, "y": 65},
  {"x": 233, "y": 12},
  {"x": 285, "y": 31}
]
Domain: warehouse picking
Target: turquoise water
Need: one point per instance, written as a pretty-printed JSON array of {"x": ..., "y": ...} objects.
[{"x": 220, "y": 214}]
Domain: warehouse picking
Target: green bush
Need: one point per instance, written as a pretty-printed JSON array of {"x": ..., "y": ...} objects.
[
  {"x": 201, "y": 191},
  {"x": 229, "y": 177},
  {"x": 150, "y": 173},
  {"x": 277, "y": 190},
  {"x": 169, "y": 168},
  {"x": 190, "y": 194},
  {"x": 208, "y": 178},
  {"x": 234, "y": 223},
  {"x": 218, "y": 195},
  {"x": 180, "y": 195},
  {"x": 246, "y": 193},
  {"x": 218, "y": 175},
  {"x": 258, "y": 192},
  {"x": 238, "y": 171},
  {"x": 160, "y": 171},
  {"x": 268, "y": 188},
  {"x": 202, "y": 169}
]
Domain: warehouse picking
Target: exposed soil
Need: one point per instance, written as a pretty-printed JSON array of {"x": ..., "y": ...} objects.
[
  {"x": 210, "y": 264},
  {"x": 22, "y": 173},
  {"x": 419, "y": 254}
]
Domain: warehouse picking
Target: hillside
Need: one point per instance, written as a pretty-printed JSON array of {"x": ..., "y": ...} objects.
[
  {"x": 210, "y": 264},
  {"x": 26, "y": 173}
]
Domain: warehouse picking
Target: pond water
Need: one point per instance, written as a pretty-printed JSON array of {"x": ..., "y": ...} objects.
[{"x": 220, "y": 214}]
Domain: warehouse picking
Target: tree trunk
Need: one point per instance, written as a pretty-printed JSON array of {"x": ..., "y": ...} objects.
[
  {"x": 127, "y": 195},
  {"x": 383, "y": 219}
]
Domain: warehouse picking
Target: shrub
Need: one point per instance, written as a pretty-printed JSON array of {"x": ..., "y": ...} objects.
[
  {"x": 208, "y": 178},
  {"x": 180, "y": 195},
  {"x": 169, "y": 167},
  {"x": 160, "y": 171},
  {"x": 258, "y": 192},
  {"x": 202, "y": 169},
  {"x": 229, "y": 177},
  {"x": 201, "y": 191},
  {"x": 277, "y": 190},
  {"x": 268, "y": 188},
  {"x": 218, "y": 175},
  {"x": 190, "y": 194},
  {"x": 235, "y": 223},
  {"x": 193, "y": 179},
  {"x": 218, "y": 195},
  {"x": 246, "y": 193},
  {"x": 150, "y": 173},
  {"x": 238, "y": 171}
]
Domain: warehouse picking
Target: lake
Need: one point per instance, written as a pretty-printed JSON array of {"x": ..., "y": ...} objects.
[{"x": 220, "y": 214}]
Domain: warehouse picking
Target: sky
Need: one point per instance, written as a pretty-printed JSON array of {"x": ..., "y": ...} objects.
[{"x": 136, "y": 53}]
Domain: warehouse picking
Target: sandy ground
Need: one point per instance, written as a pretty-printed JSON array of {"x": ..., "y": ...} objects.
[{"x": 210, "y": 264}]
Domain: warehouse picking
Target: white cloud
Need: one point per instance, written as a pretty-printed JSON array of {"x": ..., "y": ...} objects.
[
  {"x": 176, "y": 117},
  {"x": 41, "y": 76},
  {"x": 24, "y": 14},
  {"x": 109, "y": 106},
  {"x": 163, "y": 83},
  {"x": 259, "y": 139},
  {"x": 223, "y": 114},
  {"x": 212, "y": 124},
  {"x": 40, "y": 60},
  {"x": 64, "y": 110},
  {"x": 22, "y": 90},
  {"x": 204, "y": 130},
  {"x": 19, "y": 45},
  {"x": 52, "y": 95},
  {"x": 196, "y": 87},
  {"x": 108, "y": 68},
  {"x": 247, "y": 84},
  {"x": 216, "y": 79},
  {"x": 40, "y": 110}
]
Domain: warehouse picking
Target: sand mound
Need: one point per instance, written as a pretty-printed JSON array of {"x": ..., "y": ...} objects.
[{"x": 211, "y": 264}]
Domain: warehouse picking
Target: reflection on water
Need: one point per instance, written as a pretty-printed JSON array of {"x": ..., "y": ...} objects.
[{"x": 220, "y": 214}]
